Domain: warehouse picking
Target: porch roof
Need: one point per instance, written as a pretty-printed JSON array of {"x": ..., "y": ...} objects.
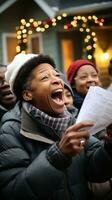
[{"x": 53, "y": 8}]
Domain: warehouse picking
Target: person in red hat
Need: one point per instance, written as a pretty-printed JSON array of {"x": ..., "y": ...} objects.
[{"x": 81, "y": 75}]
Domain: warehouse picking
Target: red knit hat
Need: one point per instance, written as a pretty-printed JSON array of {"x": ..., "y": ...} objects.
[{"x": 75, "y": 66}]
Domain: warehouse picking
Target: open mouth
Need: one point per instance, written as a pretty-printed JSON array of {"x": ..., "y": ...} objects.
[{"x": 57, "y": 97}]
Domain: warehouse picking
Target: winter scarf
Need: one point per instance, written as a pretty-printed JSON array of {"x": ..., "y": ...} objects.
[{"x": 58, "y": 125}]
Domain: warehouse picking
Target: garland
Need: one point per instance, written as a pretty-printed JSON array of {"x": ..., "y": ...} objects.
[{"x": 82, "y": 23}]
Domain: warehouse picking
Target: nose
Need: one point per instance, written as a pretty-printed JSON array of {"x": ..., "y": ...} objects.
[{"x": 90, "y": 78}]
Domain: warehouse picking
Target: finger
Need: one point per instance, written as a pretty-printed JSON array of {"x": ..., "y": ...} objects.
[
  {"x": 76, "y": 135},
  {"x": 81, "y": 125}
]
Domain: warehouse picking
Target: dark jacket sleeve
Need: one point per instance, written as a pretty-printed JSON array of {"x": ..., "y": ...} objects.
[
  {"x": 99, "y": 166},
  {"x": 20, "y": 177}
]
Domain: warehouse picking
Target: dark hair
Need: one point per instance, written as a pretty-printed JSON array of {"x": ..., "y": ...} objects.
[
  {"x": 66, "y": 83},
  {"x": 25, "y": 71},
  {"x": 110, "y": 68}
]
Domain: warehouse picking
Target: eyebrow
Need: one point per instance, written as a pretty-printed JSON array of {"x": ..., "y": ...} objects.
[{"x": 44, "y": 70}]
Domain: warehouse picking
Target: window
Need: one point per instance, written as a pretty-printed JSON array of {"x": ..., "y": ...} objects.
[{"x": 10, "y": 43}]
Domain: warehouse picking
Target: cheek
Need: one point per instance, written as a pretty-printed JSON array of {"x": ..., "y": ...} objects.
[
  {"x": 98, "y": 82},
  {"x": 71, "y": 101},
  {"x": 80, "y": 84}
]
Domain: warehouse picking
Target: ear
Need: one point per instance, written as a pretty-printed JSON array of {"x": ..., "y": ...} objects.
[{"x": 27, "y": 95}]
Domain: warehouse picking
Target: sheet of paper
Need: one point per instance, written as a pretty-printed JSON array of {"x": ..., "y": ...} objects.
[{"x": 97, "y": 107}]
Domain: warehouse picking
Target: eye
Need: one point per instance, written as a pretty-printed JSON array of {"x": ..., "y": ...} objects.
[
  {"x": 94, "y": 75},
  {"x": 58, "y": 75},
  {"x": 83, "y": 77},
  {"x": 45, "y": 77}
]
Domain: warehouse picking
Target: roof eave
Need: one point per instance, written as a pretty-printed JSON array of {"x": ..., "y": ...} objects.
[
  {"x": 46, "y": 8},
  {"x": 6, "y": 5},
  {"x": 90, "y": 8}
]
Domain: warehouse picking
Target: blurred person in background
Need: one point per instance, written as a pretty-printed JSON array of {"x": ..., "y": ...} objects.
[
  {"x": 81, "y": 75},
  {"x": 68, "y": 95},
  {"x": 7, "y": 99}
]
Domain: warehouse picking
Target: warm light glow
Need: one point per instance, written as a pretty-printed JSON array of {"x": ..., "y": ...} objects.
[
  {"x": 19, "y": 32},
  {"x": 79, "y": 17},
  {"x": 21, "y": 27},
  {"x": 59, "y": 17},
  {"x": 87, "y": 30},
  {"x": 54, "y": 24},
  {"x": 84, "y": 25},
  {"x": 42, "y": 29},
  {"x": 88, "y": 37},
  {"x": 23, "y": 21},
  {"x": 104, "y": 56},
  {"x": 86, "y": 40},
  {"x": 94, "y": 39},
  {"x": 89, "y": 47},
  {"x": 64, "y": 14},
  {"x": 93, "y": 33},
  {"x": 18, "y": 49},
  {"x": 35, "y": 24},
  {"x": 65, "y": 27},
  {"x": 31, "y": 20},
  {"x": 81, "y": 29},
  {"x": 18, "y": 37},
  {"x": 89, "y": 17},
  {"x": 89, "y": 57},
  {"x": 30, "y": 32},
  {"x": 24, "y": 31},
  {"x": 95, "y": 45},
  {"x": 25, "y": 40},
  {"x": 74, "y": 23},
  {"x": 46, "y": 26},
  {"x": 53, "y": 20},
  {"x": 24, "y": 35},
  {"x": 38, "y": 29},
  {"x": 27, "y": 24},
  {"x": 39, "y": 22}
]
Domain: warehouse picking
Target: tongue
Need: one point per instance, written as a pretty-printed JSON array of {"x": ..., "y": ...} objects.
[{"x": 58, "y": 100}]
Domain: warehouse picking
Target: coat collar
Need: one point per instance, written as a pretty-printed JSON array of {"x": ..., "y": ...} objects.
[{"x": 30, "y": 129}]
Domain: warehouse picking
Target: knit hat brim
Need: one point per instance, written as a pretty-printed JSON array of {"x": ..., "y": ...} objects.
[{"x": 14, "y": 67}]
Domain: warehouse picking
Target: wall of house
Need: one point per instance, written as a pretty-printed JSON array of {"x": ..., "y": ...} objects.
[
  {"x": 11, "y": 18},
  {"x": 50, "y": 45}
]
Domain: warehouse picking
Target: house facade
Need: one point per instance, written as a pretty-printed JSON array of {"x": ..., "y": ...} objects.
[{"x": 66, "y": 30}]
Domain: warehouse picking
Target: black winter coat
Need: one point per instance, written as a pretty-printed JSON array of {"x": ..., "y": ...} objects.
[{"x": 28, "y": 171}]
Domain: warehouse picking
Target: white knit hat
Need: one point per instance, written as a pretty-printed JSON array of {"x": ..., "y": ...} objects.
[{"x": 14, "y": 67}]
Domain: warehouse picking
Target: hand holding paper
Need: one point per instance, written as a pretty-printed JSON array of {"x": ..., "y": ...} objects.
[{"x": 97, "y": 107}]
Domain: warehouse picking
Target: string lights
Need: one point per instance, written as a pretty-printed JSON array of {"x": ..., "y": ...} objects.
[
  {"x": 28, "y": 28},
  {"x": 82, "y": 23}
]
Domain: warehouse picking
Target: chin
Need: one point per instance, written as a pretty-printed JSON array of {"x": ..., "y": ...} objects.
[{"x": 56, "y": 113}]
